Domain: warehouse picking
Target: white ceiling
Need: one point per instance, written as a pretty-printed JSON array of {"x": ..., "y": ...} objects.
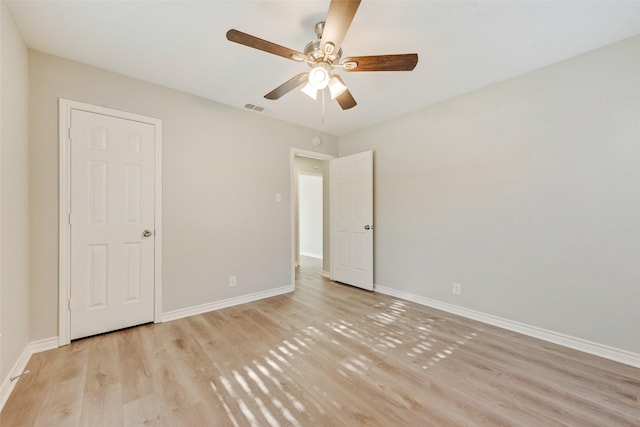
[{"x": 462, "y": 46}]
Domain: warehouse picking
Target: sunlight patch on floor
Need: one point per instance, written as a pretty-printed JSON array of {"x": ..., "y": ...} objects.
[
  {"x": 295, "y": 402},
  {"x": 226, "y": 408},
  {"x": 385, "y": 332}
]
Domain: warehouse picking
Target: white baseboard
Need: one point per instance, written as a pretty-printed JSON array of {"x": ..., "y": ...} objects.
[
  {"x": 7, "y": 386},
  {"x": 229, "y": 302},
  {"x": 596, "y": 349},
  {"x": 43, "y": 345},
  {"x": 30, "y": 349},
  {"x": 326, "y": 274},
  {"x": 311, "y": 255}
]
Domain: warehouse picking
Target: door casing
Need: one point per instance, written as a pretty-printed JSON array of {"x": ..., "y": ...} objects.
[{"x": 64, "y": 282}]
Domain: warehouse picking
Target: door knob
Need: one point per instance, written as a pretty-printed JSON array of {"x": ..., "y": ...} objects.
[
  {"x": 147, "y": 233},
  {"x": 368, "y": 227}
]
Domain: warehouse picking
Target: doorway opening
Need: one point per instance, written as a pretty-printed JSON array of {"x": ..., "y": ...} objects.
[
  {"x": 310, "y": 217},
  {"x": 310, "y": 233}
]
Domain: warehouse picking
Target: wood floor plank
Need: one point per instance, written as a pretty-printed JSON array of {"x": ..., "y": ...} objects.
[
  {"x": 324, "y": 355},
  {"x": 102, "y": 407},
  {"x": 134, "y": 360}
]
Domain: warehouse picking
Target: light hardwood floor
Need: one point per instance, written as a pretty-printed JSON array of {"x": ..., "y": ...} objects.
[{"x": 325, "y": 355}]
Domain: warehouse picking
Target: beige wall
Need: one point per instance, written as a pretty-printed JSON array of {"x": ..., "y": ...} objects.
[
  {"x": 222, "y": 168},
  {"x": 14, "y": 190},
  {"x": 526, "y": 192}
]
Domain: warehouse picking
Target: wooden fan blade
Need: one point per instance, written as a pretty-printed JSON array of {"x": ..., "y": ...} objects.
[
  {"x": 346, "y": 100},
  {"x": 288, "y": 86},
  {"x": 263, "y": 45},
  {"x": 339, "y": 17},
  {"x": 402, "y": 62}
]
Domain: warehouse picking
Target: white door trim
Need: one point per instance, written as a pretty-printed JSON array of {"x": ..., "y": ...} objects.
[
  {"x": 293, "y": 190},
  {"x": 64, "y": 283}
]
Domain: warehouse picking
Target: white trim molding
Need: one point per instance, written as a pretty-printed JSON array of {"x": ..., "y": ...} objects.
[
  {"x": 43, "y": 345},
  {"x": 229, "y": 302},
  {"x": 590, "y": 347},
  {"x": 311, "y": 255},
  {"x": 65, "y": 107},
  {"x": 7, "y": 386}
]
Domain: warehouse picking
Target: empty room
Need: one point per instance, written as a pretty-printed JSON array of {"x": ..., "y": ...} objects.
[{"x": 319, "y": 213}]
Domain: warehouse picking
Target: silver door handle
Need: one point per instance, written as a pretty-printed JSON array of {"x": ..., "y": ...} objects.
[
  {"x": 147, "y": 233},
  {"x": 368, "y": 227}
]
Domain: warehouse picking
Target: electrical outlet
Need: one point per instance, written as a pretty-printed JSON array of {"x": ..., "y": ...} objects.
[
  {"x": 232, "y": 281},
  {"x": 456, "y": 289}
]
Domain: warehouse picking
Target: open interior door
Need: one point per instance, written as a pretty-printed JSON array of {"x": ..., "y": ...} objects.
[{"x": 352, "y": 219}]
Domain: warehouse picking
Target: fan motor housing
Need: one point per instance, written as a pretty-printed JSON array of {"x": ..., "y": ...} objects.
[{"x": 314, "y": 52}]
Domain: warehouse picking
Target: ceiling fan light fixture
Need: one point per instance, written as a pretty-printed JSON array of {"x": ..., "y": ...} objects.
[
  {"x": 336, "y": 87},
  {"x": 310, "y": 91},
  {"x": 324, "y": 54},
  {"x": 319, "y": 76}
]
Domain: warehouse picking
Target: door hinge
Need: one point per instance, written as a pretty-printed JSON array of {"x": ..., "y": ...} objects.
[
  {"x": 69, "y": 304},
  {"x": 69, "y": 134},
  {"x": 69, "y": 218}
]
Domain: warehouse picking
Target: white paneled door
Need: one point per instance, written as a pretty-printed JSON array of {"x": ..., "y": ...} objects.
[
  {"x": 112, "y": 218},
  {"x": 351, "y": 181}
]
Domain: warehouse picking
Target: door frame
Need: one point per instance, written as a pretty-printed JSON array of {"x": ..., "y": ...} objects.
[
  {"x": 64, "y": 184},
  {"x": 293, "y": 191}
]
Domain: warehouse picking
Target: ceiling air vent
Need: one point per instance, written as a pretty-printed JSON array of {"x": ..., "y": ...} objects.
[{"x": 257, "y": 108}]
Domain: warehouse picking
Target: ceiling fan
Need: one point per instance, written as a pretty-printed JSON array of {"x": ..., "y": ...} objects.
[{"x": 324, "y": 54}]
